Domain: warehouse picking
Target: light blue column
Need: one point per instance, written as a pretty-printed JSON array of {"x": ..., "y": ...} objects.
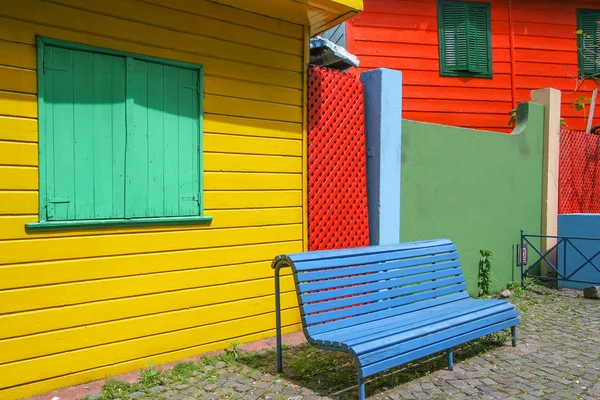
[{"x": 383, "y": 118}]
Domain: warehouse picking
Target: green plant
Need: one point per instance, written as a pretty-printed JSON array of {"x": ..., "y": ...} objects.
[
  {"x": 114, "y": 389},
  {"x": 182, "y": 371},
  {"x": 513, "y": 118},
  {"x": 150, "y": 377},
  {"x": 234, "y": 350},
  {"x": 485, "y": 272},
  {"x": 581, "y": 102}
]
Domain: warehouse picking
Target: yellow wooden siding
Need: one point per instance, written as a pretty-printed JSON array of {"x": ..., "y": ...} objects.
[{"x": 79, "y": 305}]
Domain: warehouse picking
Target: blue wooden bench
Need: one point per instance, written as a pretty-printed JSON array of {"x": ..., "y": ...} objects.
[{"x": 388, "y": 305}]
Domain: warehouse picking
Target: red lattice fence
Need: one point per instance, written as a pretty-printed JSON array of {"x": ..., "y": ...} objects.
[
  {"x": 337, "y": 171},
  {"x": 579, "y": 172}
]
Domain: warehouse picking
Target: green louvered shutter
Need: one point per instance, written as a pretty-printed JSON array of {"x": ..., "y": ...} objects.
[
  {"x": 588, "y": 41},
  {"x": 84, "y": 144},
  {"x": 465, "y": 38},
  {"x": 478, "y": 48},
  {"x": 162, "y": 167},
  {"x": 453, "y": 35}
]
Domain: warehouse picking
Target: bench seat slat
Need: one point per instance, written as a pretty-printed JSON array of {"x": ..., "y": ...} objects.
[
  {"x": 357, "y": 328},
  {"x": 375, "y": 267},
  {"x": 435, "y": 346},
  {"x": 390, "y": 289},
  {"x": 376, "y": 277},
  {"x": 379, "y": 315},
  {"x": 381, "y": 346},
  {"x": 386, "y": 281},
  {"x": 319, "y": 265},
  {"x": 439, "y": 294},
  {"x": 375, "y": 251},
  {"x": 358, "y": 334}
]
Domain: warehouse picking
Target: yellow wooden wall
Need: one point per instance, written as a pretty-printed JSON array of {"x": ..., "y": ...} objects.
[{"x": 80, "y": 305}]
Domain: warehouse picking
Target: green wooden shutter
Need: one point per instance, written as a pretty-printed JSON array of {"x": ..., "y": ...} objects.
[
  {"x": 84, "y": 100},
  {"x": 588, "y": 41},
  {"x": 162, "y": 155},
  {"x": 478, "y": 39},
  {"x": 465, "y": 38},
  {"x": 453, "y": 36}
]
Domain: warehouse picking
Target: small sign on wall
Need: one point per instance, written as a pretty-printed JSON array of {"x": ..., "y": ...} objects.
[{"x": 522, "y": 255}]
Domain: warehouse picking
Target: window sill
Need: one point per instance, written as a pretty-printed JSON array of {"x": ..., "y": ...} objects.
[
  {"x": 459, "y": 74},
  {"x": 116, "y": 223}
]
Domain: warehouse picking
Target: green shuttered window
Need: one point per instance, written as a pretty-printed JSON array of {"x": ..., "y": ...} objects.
[
  {"x": 588, "y": 42},
  {"x": 465, "y": 38},
  {"x": 120, "y": 138}
]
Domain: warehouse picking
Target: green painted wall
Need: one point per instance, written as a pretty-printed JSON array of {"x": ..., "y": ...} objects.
[{"x": 476, "y": 188}]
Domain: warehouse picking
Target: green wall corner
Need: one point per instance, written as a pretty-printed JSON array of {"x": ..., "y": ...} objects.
[{"x": 476, "y": 188}]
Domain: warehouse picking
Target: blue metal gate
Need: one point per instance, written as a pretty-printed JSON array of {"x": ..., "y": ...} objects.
[{"x": 574, "y": 266}]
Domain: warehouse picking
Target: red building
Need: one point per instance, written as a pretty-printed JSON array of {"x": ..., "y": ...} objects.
[{"x": 469, "y": 63}]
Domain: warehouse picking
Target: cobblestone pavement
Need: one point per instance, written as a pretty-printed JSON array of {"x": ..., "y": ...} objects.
[{"x": 557, "y": 357}]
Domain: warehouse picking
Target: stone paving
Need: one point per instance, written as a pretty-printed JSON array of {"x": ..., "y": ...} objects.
[{"x": 557, "y": 357}]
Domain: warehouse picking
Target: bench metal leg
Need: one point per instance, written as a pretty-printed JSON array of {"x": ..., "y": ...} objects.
[
  {"x": 361, "y": 389},
  {"x": 450, "y": 360},
  {"x": 513, "y": 332},
  {"x": 278, "y": 322}
]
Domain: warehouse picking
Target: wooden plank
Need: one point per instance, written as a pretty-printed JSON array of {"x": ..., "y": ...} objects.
[
  {"x": 383, "y": 295},
  {"x": 217, "y": 162},
  {"x": 92, "y": 23},
  {"x": 378, "y": 350},
  {"x": 216, "y": 85},
  {"x": 102, "y": 290},
  {"x": 18, "y": 154},
  {"x": 60, "y": 364},
  {"x": 14, "y": 202},
  {"x": 171, "y": 148},
  {"x": 342, "y": 257},
  {"x": 163, "y": 15},
  {"x": 20, "y": 251},
  {"x": 459, "y": 106},
  {"x": 251, "y": 145},
  {"x": 431, "y": 92},
  {"x": 440, "y": 296},
  {"x": 19, "y": 129},
  {"x": 27, "y": 389},
  {"x": 18, "y": 178},
  {"x": 251, "y": 127},
  {"x": 380, "y": 328},
  {"x": 59, "y": 130},
  {"x": 387, "y": 313},
  {"x": 17, "y": 80},
  {"x": 371, "y": 283},
  {"x": 188, "y": 145},
  {"x": 236, "y": 16},
  {"x": 411, "y": 262},
  {"x": 251, "y": 181},
  {"x": 252, "y": 199},
  {"x": 64, "y": 272},
  {"x": 25, "y": 32},
  {"x": 84, "y": 134},
  {"x": 21, "y": 348},
  {"x": 252, "y": 109},
  {"x": 17, "y": 55},
  {"x": 13, "y": 227},
  {"x": 136, "y": 154},
  {"x": 439, "y": 346},
  {"x": 458, "y": 119},
  {"x": 158, "y": 137},
  {"x": 119, "y": 135}
]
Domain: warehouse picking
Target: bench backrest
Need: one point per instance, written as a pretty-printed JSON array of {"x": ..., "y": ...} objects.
[{"x": 341, "y": 288}]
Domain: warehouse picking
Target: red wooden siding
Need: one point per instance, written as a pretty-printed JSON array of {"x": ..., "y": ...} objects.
[{"x": 402, "y": 34}]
